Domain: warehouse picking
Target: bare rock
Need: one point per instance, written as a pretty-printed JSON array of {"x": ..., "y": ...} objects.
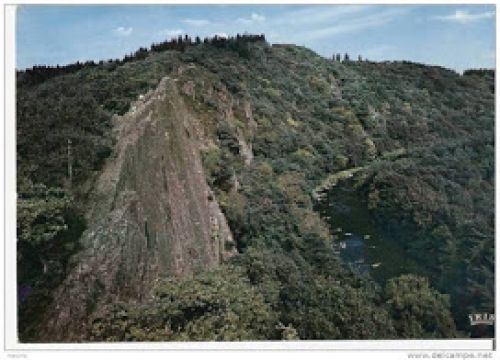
[{"x": 150, "y": 217}]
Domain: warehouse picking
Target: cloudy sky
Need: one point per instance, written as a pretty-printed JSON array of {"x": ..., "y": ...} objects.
[{"x": 454, "y": 36}]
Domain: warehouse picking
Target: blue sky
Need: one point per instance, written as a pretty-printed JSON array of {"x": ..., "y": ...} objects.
[{"x": 454, "y": 36}]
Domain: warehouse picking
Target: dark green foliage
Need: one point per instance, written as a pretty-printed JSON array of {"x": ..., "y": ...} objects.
[
  {"x": 323, "y": 302},
  {"x": 322, "y": 310},
  {"x": 418, "y": 311},
  {"x": 457, "y": 230},
  {"x": 216, "y": 305},
  {"x": 313, "y": 117},
  {"x": 48, "y": 229}
]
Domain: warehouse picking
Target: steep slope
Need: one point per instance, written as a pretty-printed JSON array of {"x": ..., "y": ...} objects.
[
  {"x": 151, "y": 215},
  {"x": 271, "y": 123}
]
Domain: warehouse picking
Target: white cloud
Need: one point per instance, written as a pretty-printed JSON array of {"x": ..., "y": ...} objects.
[
  {"x": 122, "y": 31},
  {"x": 322, "y": 22},
  {"x": 197, "y": 22},
  {"x": 254, "y": 18},
  {"x": 170, "y": 32},
  {"x": 257, "y": 17},
  {"x": 319, "y": 14},
  {"x": 355, "y": 24},
  {"x": 464, "y": 17}
]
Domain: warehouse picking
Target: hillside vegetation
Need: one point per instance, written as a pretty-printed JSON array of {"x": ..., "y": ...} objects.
[{"x": 276, "y": 122}]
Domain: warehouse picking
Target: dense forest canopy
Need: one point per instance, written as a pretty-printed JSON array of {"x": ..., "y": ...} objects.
[{"x": 310, "y": 117}]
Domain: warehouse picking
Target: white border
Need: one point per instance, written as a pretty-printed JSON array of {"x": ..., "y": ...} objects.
[
  {"x": 10, "y": 177},
  {"x": 9, "y": 168},
  {"x": 358, "y": 345},
  {"x": 249, "y": 2}
]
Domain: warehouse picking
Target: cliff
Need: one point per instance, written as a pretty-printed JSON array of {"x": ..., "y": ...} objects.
[
  {"x": 166, "y": 142},
  {"x": 151, "y": 214}
]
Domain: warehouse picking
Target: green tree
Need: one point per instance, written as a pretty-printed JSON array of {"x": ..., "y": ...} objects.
[
  {"x": 48, "y": 228},
  {"x": 218, "y": 305},
  {"x": 418, "y": 311}
]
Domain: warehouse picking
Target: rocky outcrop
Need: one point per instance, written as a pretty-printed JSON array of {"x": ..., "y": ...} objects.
[
  {"x": 235, "y": 113},
  {"x": 246, "y": 150},
  {"x": 151, "y": 214}
]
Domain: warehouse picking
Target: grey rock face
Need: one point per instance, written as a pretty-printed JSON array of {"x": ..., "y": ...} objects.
[{"x": 151, "y": 214}]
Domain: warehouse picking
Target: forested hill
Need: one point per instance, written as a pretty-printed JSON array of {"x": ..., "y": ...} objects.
[{"x": 270, "y": 124}]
